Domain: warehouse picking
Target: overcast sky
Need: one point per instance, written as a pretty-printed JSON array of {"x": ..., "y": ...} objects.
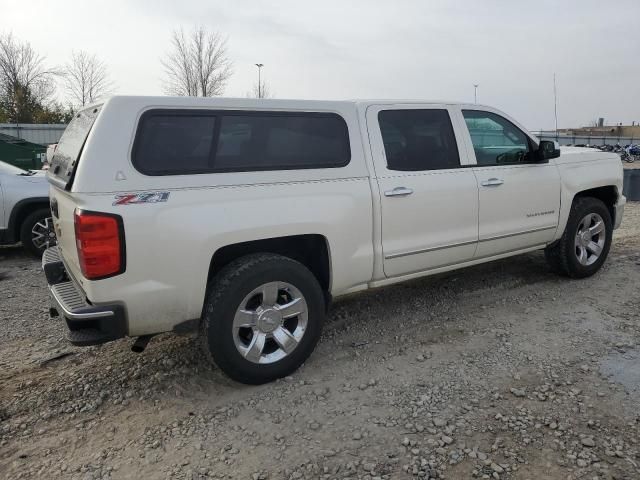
[{"x": 372, "y": 49}]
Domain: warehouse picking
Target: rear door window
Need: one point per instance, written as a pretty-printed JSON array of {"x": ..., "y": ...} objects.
[
  {"x": 418, "y": 140},
  {"x": 71, "y": 143},
  {"x": 184, "y": 142}
]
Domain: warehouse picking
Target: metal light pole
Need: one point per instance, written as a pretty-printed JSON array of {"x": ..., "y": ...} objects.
[
  {"x": 259, "y": 65},
  {"x": 475, "y": 92}
]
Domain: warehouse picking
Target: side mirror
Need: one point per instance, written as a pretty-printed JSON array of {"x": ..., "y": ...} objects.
[{"x": 547, "y": 149}]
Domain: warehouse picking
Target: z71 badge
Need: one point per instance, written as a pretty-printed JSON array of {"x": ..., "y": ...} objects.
[{"x": 137, "y": 198}]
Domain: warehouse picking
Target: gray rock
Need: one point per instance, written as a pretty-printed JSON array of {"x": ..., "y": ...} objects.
[
  {"x": 439, "y": 422},
  {"x": 518, "y": 392},
  {"x": 588, "y": 442}
]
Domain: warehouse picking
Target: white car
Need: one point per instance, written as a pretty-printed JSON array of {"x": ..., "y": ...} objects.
[
  {"x": 242, "y": 219},
  {"x": 24, "y": 209}
]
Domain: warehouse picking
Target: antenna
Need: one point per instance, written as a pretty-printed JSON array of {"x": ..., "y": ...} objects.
[{"x": 555, "y": 104}]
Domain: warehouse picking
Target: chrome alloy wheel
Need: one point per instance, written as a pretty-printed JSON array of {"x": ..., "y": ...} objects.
[
  {"x": 270, "y": 322},
  {"x": 43, "y": 235},
  {"x": 590, "y": 239}
]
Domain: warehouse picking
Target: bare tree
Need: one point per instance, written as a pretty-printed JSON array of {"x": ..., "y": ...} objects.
[
  {"x": 86, "y": 78},
  {"x": 25, "y": 81},
  {"x": 262, "y": 91},
  {"x": 197, "y": 65}
]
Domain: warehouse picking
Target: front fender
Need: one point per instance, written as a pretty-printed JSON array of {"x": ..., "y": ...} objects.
[{"x": 578, "y": 177}]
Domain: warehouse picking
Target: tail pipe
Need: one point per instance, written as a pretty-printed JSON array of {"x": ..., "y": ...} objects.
[{"x": 141, "y": 343}]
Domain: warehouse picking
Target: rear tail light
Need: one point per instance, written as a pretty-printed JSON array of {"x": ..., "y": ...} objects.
[{"x": 100, "y": 243}]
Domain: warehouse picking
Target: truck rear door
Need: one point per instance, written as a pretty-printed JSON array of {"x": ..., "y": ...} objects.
[{"x": 429, "y": 200}]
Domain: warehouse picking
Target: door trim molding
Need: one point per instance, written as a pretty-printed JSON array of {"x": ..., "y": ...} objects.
[
  {"x": 507, "y": 235},
  {"x": 453, "y": 266},
  {"x": 462, "y": 244},
  {"x": 430, "y": 249}
]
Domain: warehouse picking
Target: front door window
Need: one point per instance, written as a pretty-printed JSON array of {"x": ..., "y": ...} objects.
[{"x": 497, "y": 141}]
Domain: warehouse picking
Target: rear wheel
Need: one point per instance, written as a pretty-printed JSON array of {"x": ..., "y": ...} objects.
[
  {"x": 586, "y": 241},
  {"x": 37, "y": 233},
  {"x": 262, "y": 318}
]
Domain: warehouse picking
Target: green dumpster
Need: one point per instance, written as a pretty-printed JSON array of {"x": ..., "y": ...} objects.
[{"x": 22, "y": 154}]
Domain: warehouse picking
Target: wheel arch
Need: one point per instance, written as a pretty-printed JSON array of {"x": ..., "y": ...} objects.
[
  {"x": 312, "y": 250},
  {"x": 20, "y": 211},
  {"x": 608, "y": 194}
]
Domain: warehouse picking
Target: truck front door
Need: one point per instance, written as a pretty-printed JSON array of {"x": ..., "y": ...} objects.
[{"x": 519, "y": 196}]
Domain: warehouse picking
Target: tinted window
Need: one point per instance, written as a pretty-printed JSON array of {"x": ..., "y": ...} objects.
[
  {"x": 263, "y": 142},
  {"x": 418, "y": 140},
  {"x": 496, "y": 140},
  {"x": 172, "y": 143},
  {"x": 71, "y": 143},
  {"x": 184, "y": 142}
]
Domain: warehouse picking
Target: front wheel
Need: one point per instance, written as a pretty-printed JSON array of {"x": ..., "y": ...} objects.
[
  {"x": 262, "y": 317},
  {"x": 586, "y": 241},
  {"x": 37, "y": 233}
]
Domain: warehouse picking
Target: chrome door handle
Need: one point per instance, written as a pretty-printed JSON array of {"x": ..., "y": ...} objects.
[
  {"x": 398, "y": 192},
  {"x": 492, "y": 182}
]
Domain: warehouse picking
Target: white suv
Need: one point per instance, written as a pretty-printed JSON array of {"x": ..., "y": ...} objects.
[
  {"x": 242, "y": 219},
  {"x": 24, "y": 209}
]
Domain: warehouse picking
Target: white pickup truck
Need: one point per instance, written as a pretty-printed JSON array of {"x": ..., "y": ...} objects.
[{"x": 242, "y": 219}]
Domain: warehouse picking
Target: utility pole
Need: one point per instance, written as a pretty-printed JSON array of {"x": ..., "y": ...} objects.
[
  {"x": 475, "y": 92},
  {"x": 555, "y": 104},
  {"x": 259, "y": 65}
]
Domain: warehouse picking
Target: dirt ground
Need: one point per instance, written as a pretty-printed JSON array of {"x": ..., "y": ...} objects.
[{"x": 497, "y": 371}]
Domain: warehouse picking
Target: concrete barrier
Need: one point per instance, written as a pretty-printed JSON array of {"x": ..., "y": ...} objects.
[{"x": 631, "y": 186}]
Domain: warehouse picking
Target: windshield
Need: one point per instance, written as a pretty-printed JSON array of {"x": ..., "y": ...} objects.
[
  {"x": 70, "y": 145},
  {"x": 11, "y": 170}
]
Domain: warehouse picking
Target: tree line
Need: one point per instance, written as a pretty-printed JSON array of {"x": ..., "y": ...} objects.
[
  {"x": 28, "y": 86},
  {"x": 197, "y": 64}
]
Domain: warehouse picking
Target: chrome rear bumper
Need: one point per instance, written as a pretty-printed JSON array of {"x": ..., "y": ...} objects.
[{"x": 88, "y": 324}]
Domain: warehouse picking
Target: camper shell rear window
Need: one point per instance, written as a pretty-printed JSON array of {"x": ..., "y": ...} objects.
[{"x": 67, "y": 153}]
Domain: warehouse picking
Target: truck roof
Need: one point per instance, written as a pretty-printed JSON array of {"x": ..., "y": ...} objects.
[{"x": 230, "y": 102}]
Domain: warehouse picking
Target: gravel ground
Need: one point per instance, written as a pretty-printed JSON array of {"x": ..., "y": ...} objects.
[{"x": 496, "y": 371}]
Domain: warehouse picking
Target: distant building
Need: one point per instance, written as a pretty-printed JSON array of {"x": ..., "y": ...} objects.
[{"x": 631, "y": 131}]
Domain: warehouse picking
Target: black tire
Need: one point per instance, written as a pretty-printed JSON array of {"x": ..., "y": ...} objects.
[
  {"x": 226, "y": 293},
  {"x": 40, "y": 216},
  {"x": 562, "y": 257}
]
